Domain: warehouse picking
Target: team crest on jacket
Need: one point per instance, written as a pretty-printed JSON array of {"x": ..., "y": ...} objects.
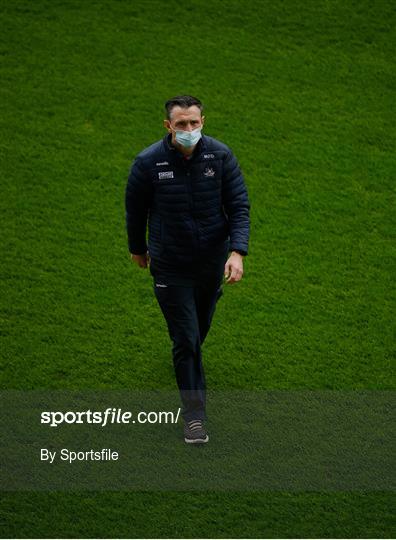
[{"x": 209, "y": 171}]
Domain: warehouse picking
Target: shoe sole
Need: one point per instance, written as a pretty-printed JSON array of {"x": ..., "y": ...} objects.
[{"x": 196, "y": 441}]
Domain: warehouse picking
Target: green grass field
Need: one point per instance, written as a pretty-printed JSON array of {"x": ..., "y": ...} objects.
[{"x": 304, "y": 93}]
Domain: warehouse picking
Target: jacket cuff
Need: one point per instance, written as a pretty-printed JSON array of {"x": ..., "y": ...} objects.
[
  {"x": 240, "y": 251},
  {"x": 137, "y": 249}
]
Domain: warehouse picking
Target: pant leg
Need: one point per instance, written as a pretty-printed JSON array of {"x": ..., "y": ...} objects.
[
  {"x": 209, "y": 289},
  {"x": 179, "y": 309},
  {"x": 206, "y": 297}
]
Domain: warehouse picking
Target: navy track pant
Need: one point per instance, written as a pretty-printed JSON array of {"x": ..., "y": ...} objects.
[{"x": 188, "y": 309}]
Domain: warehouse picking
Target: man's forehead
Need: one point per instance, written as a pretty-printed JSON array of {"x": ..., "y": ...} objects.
[{"x": 183, "y": 113}]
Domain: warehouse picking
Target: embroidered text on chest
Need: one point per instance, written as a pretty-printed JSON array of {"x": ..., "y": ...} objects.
[{"x": 165, "y": 174}]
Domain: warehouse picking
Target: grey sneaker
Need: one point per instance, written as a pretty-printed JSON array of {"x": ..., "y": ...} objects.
[{"x": 194, "y": 432}]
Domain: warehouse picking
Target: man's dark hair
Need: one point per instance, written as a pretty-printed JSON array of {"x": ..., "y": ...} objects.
[{"x": 182, "y": 101}]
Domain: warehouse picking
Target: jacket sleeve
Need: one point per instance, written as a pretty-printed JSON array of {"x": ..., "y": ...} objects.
[
  {"x": 137, "y": 204},
  {"x": 236, "y": 204}
]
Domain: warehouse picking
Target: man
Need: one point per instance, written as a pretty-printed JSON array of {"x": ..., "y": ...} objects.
[{"x": 190, "y": 190}]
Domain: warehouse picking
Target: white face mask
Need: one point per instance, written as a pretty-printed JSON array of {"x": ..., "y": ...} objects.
[{"x": 188, "y": 138}]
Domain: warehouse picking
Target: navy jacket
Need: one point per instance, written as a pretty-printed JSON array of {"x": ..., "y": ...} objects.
[{"x": 192, "y": 206}]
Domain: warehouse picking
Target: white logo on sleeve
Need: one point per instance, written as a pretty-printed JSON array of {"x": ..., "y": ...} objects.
[{"x": 165, "y": 175}]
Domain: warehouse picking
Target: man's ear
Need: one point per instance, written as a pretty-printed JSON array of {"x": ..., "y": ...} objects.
[
  {"x": 203, "y": 120},
  {"x": 167, "y": 125}
]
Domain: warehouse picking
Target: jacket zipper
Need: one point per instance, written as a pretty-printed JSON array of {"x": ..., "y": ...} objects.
[{"x": 187, "y": 168}]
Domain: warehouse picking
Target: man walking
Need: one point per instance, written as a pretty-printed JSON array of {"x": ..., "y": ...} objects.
[{"x": 189, "y": 188}]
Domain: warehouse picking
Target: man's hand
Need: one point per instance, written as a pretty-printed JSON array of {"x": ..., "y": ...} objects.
[
  {"x": 233, "y": 269},
  {"x": 141, "y": 260}
]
